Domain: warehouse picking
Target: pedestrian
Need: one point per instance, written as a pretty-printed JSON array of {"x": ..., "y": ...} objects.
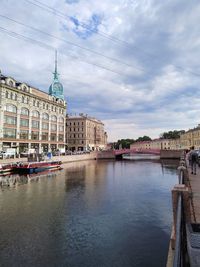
[{"x": 193, "y": 159}]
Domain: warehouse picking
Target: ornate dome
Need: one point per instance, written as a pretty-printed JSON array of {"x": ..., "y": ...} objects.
[{"x": 56, "y": 88}]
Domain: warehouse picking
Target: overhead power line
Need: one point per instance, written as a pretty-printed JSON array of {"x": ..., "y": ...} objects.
[
  {"x": 44, "y": 45},
  {"x": 56, "y": 12},
  {"x": 82, "y": 24},
  {"x": 70, "y": 43}
]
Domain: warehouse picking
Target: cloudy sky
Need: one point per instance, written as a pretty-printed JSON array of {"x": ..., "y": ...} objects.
[{"x": 134, "y": 64}]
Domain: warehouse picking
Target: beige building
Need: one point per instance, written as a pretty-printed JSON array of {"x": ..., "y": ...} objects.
[
  {"x": 168, "y": 144},
  {"x": 191, "y": 138},
  {"x": 85, "y": 133},
  {"x": 30, "y": 118}
]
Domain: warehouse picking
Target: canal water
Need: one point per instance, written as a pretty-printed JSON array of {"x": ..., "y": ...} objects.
[{"x": 90, "y": 214}]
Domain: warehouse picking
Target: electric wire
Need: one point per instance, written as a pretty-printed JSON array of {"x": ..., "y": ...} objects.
[
  {"x": 110, "y": 37},
  {"x": 41, "y": 44},
  {"x": 70, "y": 43}
]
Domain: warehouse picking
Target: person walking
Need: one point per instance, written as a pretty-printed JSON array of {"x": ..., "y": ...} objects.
[{"x": 193, "y": 159}]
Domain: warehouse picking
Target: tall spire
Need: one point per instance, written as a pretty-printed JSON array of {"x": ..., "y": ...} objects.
[
  {"x": 56, "y": 88},
  {"x": 56, "y": 72}
]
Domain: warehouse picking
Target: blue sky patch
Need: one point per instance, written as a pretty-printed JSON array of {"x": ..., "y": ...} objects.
[
  {"x": 71, "y": 1},
  {"x": 88, "y": 28}
]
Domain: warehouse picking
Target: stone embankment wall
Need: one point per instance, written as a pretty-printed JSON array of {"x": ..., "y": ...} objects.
[
  {"x": 105, "y": 154},
  {"x": 64, "y": 159},
  {"x": 170, "y": 154},
  {"x": 73, "y": 158}
]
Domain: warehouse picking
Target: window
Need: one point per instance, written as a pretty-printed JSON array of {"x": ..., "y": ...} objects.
[
  {"x": 35, "y": 114},
  {"x": 60, "y": 137},
  {"x": 61, "y": 119},
  {"x": 34, "y": 135},
  {"x": 61, "y": 128},
  {"x": 38, "y": 104},
  {"x": 11, "y": 108},
  {"x": 10, "y": 120},
  {"x": 53, "y": 137},
  {"x": 9, "y": 133},
  {"x": 45, "y": 126},
  {"x": 45, "y": 116},
  {"x": 24, "y": 122},
  {"x": 22, "y": 99},
  {"x": 11, "y": 83},
  {"x": 54, "y": 118},
  {"x": 45, "y": 136},
  {"x": 53, "y": 127},
  {"x": 24, "y": 111},
  {"x": 35, "y": 124},
  {"x": 24, "y": 134},
  {"x": 7, "y": 94}
]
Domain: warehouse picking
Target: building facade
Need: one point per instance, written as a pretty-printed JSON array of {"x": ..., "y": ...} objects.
[
  {"x": 167, "y": 144},
  {"x": 84, "y": 133},
  {"x": 191, "y": 138},
  {"x": 31, "y": 118}
]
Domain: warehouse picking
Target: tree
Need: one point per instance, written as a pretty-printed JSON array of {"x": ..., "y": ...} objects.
[
  {"x": 124, "y": 143},
  {"x": 144, "y": 138},
  {"x": 172, "y": 134}
]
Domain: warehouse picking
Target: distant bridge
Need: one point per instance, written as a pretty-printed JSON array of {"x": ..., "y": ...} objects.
[{"x": 136, "y": 151}]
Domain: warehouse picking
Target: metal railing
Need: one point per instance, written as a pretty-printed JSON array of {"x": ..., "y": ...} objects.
[{"x": 179, "y": 228}]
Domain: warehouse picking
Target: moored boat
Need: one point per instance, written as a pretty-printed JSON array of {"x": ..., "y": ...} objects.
[
  {"x": 34, "y": 167},
  {"x": 6, "y": 168}
]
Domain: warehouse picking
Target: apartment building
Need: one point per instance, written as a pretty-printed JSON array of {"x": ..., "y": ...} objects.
[
  {"x": 191, "y": 138},
  {"x": 168, "y": 144},
  {"x": 85, "y": 133}
]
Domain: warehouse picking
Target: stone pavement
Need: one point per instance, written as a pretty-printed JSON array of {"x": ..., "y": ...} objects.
[{"x": 194, "y": 183}]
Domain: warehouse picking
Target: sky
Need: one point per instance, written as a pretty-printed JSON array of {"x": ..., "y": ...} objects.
[{"x": 134, "y": 64}]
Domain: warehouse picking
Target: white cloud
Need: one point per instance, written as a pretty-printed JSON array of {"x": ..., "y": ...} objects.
[{"x": 153, "y": 37}]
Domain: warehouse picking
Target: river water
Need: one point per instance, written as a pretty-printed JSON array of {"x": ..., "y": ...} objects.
[{"x": 90, "y": 214}]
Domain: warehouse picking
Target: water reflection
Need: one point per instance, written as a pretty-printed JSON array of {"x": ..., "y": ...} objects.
[{"x": 106, "y": 213}]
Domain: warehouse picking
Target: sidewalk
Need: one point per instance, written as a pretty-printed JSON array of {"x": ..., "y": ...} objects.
[{"x": 194, "y": 181}]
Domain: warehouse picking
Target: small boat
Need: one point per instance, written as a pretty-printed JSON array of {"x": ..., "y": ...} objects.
[
  {"x": 35, "y": 167},
  {"x": 6, "y": 168}
]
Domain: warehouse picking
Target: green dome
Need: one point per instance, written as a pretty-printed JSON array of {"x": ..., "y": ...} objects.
[{"x": 56, "y": 88}]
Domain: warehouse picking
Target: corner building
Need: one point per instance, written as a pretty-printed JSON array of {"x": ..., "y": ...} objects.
[
  {"x": 84, "y": 133},
  {"x": 31, "y": 118}
]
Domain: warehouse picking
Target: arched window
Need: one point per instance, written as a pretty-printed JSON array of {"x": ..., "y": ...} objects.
[
  {"x": 61, "y": 119},
  {"x": 11, "y": 83},
  {"x": 11, "y": 108},
  {"x": 35, "y": 114},
  {"x": 45, "y": 116},
  {"x": 53, "y": 118},
  {"x": 24, "y": 111}
]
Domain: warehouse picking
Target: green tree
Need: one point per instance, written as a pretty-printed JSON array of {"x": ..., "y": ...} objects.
[
  {"x": 144, "y": 138},
  {"x": 124, "y": 143},
  {"x": 171, "y": 134}
]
